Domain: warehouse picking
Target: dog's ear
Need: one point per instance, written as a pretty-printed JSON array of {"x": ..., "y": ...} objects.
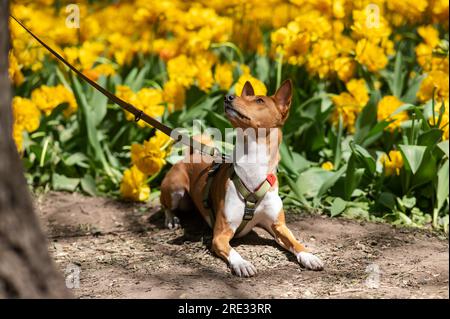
[
  {"x": 247, "y": 90},
  {"x": 283, "y": 96}
]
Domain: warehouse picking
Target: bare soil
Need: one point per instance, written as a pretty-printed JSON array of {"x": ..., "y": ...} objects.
[{"x": 123, "y": 251}]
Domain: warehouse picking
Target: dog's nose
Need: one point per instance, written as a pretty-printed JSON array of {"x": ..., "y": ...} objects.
[{"x": 229, "y": 97}]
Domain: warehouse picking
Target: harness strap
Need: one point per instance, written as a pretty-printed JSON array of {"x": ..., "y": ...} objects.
[
  {"x": 206, "y": 192},
  {"x": 251, "y": 199}
]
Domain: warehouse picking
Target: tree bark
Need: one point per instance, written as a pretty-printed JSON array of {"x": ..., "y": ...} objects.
[{"x": 26, "y": 269}]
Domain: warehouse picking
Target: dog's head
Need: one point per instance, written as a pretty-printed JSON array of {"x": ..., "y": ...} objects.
[{"x": 259, "y": 111}]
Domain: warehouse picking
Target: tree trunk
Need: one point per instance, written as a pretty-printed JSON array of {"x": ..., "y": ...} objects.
[{"x": 26, "y": 269}]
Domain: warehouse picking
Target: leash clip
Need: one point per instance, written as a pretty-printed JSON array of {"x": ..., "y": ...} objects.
[{"x": 138, "y": 116}]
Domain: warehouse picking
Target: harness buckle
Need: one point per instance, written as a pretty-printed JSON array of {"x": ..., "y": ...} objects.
[{"x": 249, "y": 210}]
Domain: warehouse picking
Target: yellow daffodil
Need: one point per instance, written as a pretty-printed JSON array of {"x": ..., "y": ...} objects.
[
  {"x": 387, "y": 105},
  {"x": 328, "y": 166},
  {"x": 223, "y": 75},
  {"x": 47, "y": 98},
  {"x": 436, "y": 81},
  {"x": 149, "y": 157},
  {"x": 133, "y": 185},
  {"x": 25, "y": 113},
  {"x": 349, "y": 104},
  {"x": 393, "y": 163}
]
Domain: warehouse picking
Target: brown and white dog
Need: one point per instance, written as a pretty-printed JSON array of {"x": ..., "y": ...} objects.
[{"x": 185, "y": 182}]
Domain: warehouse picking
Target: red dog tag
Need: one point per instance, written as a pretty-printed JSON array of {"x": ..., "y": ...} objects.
[{"x": 271, "y": 178}]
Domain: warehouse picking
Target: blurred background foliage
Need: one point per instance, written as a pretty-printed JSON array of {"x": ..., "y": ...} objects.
[{"x": 367, "y": 135}]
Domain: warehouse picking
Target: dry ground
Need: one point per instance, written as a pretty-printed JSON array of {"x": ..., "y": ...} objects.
[{"x": 123, "y": 251}]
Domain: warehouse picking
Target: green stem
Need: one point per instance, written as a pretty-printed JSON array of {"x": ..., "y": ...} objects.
[
  {"x": 44, "y": 152},
  {"x": 231, "y": 46},
  {"x": 279, "y": 69}
]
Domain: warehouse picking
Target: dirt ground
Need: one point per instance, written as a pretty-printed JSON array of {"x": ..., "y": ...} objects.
[{"x": 122, "y": 250}]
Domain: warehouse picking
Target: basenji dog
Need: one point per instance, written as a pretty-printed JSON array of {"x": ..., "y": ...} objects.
[{"x": 186, "y": 181}]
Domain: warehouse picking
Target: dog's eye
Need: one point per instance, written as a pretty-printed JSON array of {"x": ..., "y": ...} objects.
[{"x": 259, "y": 101}]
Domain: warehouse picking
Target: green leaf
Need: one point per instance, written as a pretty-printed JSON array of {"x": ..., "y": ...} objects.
[
  {"x": 297, "y": 191},
  {"x": 364, "y": 156},
  {"x": 138, "y": 82},
  {"x": 130, "y": 77},
  {"x": 444, "y": 147},
  {"x": 78, "y": 158},
  {"x": 413, "y": 155},
  {"x": 61, "y": 182},
  {"x": 99, "y": 102},
  {"x": 352, "y": 178},
  {"x": 387, "y": 199},
  {"x": 430, "y": 137},
  {"x": 262, "y": 68},
  {"x": 375, "y": 133},
  {"x": 328, "y": 183},
  {"x": 407, "y": 202},
  {"x": 291, "y": 161},
  {"x": 338, "y": 206},
  {"x": 412, "y": 88},
  {"x": 87, "y": 120},
  {"x": 198, "y": 111},
  {"x": 399, "y": 76},
  {"x": 88, "y": 185},
  {"x": 367, "y": 118},
  {"x": 310, "y": 181},
  {"x": 403, "y": 108},
  {"x": 218, "y": 121},
  {"x": 442, "y": 189}
]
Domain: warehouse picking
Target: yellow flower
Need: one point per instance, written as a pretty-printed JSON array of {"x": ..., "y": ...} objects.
[
  {"x": 133, "y": 185},
  {"x": 18, "y": 137},
  {"x": 392, "y": 163},
  {"x": 258, "y": 86},
  {"x": 25, "y": 113},
  {"x": 48, "y": 98},
  {"x": 436, "y": 81},
  {"x": 443, "y": 125},
  {"x": 205, "y": 79},
  {"x": 182, "y": 70},
  {"x": 429, "y": 34},
  {"x": 149, "y": 100},
  {"x": 149, "y": 157},
  {"x": 15, "y": 74},
  {"x": 358, "y": 89},
  {"x": 345, "y": 68},
  {"x": 410, "y": 10},
  {"x": 104, "y": 69},
  {"x": 349, "y": 104},
  {"x": 388, "y": 105},
  {"x": 223, "y": 75},
  {"x": 125, "y": 93},
  {"x": 328, "y": 166},
  {"x": 322, "y": 57},
  {"x": 174, "y": 93},
  {"x": 370, "y": 55},
  {"x": 365, "y": 27}
]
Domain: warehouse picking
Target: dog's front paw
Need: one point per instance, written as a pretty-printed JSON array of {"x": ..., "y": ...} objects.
[
  {"x": 172, "y": 222},
  {"x": 309, "y": 261},
  {"x": 243, "y": 268}
]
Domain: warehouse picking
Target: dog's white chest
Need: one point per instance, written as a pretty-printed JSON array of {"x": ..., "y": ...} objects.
[{"x": 266, "y": 212}]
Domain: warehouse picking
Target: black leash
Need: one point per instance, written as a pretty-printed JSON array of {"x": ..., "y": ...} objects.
[{"x": 138, "y": 114}]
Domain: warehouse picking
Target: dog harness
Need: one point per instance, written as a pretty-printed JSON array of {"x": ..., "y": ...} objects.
[{"x": 251, "y": 198}]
